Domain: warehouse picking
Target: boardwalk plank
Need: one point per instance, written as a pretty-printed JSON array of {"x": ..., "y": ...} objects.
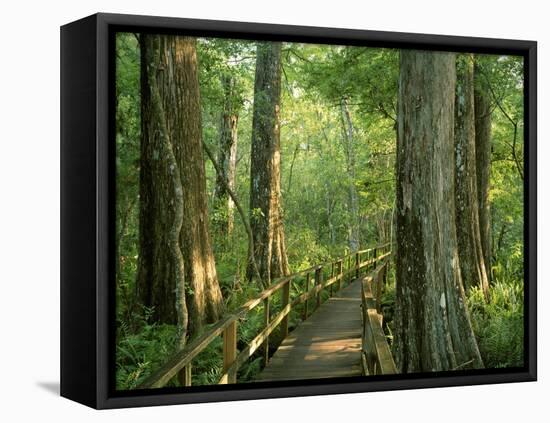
[{"x": 326, "y": 345}]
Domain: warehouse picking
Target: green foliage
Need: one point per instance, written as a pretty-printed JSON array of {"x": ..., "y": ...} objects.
[
  {"x": 498, "y": 325},
  {"x": 315, "y": 186},
  {"x": 138, "y": 353},
  {"x": 127, "y": 172},
  {"x": 208, "y": 365}
]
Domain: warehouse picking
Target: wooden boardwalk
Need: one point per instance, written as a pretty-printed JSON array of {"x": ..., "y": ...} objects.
[
  {"x": 343, "y": 337},
  {"x": 326, "y": 345}
]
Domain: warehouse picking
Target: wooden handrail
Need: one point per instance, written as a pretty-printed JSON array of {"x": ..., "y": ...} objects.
[
  {"x": 312, "y": 268},
  {"x": 183, "y": 357},
  {"x": 376, "y": 357},
  {"x": 180, "y": 362},
  {"x": 254, "y": 345}
]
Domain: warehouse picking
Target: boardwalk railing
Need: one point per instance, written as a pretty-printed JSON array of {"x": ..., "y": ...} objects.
[
  {"x": 318, "y": 279},
  {"x": 376, "y": 357}
]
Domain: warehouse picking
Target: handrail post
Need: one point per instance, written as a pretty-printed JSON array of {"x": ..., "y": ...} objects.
[
  {"x": 306, "y": 303},
  {"x": 357, "y": 265},
  {"x": 331, "y": 276},
  {"x": 266, "y": 322},
  {"x": 230, "y": 350},
  {"x": 184, "y": 376},
  {"x": 319, "y": 281},
  {"x": 379, "y": 278},
  {"x": 339, "y": 287},
  {"x": 285, "y": 300},
  {"x": 349, "y": 269},
  {"x": 375, "y": 258}
]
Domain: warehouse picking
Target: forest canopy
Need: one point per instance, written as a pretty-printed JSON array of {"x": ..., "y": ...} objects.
[{"x": 241, "y": 162}]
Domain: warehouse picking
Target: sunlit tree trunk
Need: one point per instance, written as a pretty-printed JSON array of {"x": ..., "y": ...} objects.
[
  {"x": 432, "y": 326},
  {"x": 265, "y": 171},
  {"x": 472, "y": 263},
  {"x": 330, "y": 205},
  {"x": 482, "y": 107},
  {"x": 169, "y": 70},
  {"x": 353, "y": 200},
  {"x": 227, "y": 156}
]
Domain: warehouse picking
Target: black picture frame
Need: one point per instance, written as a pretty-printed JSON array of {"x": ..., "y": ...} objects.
[{"x": 87, "y": 198}]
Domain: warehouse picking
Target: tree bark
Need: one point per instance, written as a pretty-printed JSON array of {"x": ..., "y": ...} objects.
[
  {"x": 432, "y": 326},
  {"x": 227, "y": 155},
  {"x": 161, "y": 264},
  {"x": 176, "y": 118},
  {"x": 472, "y": 263},
  {"x": 266, "y": 217},
  {"x": 482, "y": 108},
  {"x": 353, "y": 200}
]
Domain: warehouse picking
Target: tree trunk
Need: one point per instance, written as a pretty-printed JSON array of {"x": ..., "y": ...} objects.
[
  {"x": 227, "y": 156},
  {"x": 161, "y": 279},
  {"x": 432, "y": 326},
  {"x": 266, "y": 217},
  {"x": 169, "y": 70},
  {"x": 383, "y": 226},
  {"x": 353, "y": 201},
  {"x": 482, "y": 107},
  {"x": 472, "y": 263},
  {"x": 330, "y": 204}
]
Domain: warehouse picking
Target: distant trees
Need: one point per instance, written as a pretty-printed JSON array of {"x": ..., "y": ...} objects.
[
  {"x": 266, "y": 215},
  {"x": 349, "y": 151},
  {"x": 432, "y": 327},
  {"x": 227, "y": 154},
  {"x": 176, "y": 276}
]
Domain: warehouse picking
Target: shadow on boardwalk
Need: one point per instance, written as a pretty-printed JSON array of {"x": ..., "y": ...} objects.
[{"x": 326, "y": 345}]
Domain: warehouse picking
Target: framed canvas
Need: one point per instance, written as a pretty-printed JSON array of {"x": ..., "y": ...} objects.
[{"x": 258, "y": 211}]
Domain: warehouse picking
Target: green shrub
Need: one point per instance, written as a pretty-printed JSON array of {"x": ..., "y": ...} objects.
[
  {"x": 207, "y": 366},
  {"x": 498, "y": 325},
  {"x": 137, "y": 355}
]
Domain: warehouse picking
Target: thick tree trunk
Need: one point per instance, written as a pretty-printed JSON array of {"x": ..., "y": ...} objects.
[
  {"x": 482, "y": 107},
  {"x": 227, "y": 156},
  {"x": 176, "y": 118},
  {"x": 432, "y": 327},
  {"x": 353, "y": 198},
  {"x": 161, "y": 279},
  {"x": 472, "y": 263},
  {"x": 266, "y": 217}
]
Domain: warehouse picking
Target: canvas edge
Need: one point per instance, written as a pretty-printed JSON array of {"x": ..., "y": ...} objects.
[{"x": 104, "y": 21}]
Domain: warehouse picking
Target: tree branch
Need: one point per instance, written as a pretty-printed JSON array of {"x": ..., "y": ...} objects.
[
  {"x": 512, "y": 121},
  {"x": 246, "y": 224}
]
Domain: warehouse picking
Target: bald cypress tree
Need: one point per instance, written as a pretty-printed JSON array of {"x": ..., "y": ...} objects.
[
  {"x": 483, "y": 119},
  {"x": 173, "y": 206},
  {"x": 227, "y": 155},
  {"x": 266, "y": 217},
  {"x": 472, "y": 262},
  {"x": 432, "y": 326}
]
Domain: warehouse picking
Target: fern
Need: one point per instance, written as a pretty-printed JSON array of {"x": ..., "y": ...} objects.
[{"x": 498, "y": 325}]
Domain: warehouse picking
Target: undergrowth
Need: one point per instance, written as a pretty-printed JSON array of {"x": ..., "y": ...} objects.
[
  {"x": 137, "y": 354},
  {"x": 498, "y": 324}
]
